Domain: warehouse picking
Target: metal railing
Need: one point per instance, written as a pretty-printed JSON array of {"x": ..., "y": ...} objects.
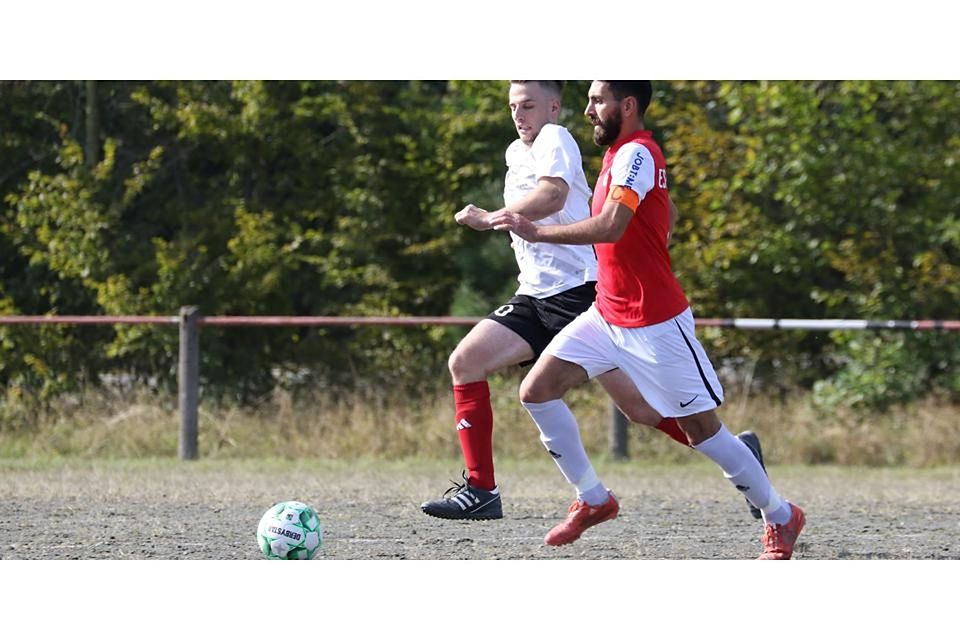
[{"x": 190, "y": 322}]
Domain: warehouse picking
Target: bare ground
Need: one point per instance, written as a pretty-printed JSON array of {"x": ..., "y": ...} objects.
[{"x": 370, "y": 510}]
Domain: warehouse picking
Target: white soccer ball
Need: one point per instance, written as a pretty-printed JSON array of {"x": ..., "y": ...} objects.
[{"x": 289, "y": 530}]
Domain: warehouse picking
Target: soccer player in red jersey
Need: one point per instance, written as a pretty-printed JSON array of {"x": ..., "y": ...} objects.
[
  {"x": 640, "y": 324},
  {"x": 545, "y": 184}
]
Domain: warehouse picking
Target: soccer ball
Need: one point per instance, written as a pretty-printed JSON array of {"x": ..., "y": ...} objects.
[{"x": 289, "y": 531}]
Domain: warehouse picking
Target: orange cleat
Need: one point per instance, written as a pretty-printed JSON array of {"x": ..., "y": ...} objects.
[
  {"x": 778, "y": 540},
  {"x": 580, "y": 517}
]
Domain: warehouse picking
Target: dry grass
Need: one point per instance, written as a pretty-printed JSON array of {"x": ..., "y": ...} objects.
[{"x": 923, "y": 434}]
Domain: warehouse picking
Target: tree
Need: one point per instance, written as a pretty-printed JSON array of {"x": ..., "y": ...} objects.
[{"x": 797, "y": 199}]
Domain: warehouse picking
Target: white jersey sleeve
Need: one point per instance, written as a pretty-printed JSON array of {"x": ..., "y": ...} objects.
[
  {"x": 633, "y": 168},
  {"x": 556, "y": 154}
]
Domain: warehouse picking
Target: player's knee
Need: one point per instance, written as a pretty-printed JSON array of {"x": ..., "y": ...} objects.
[
  {"x": 457, "y": 364},
  {"x": 528, "y": 393},
  {"x": 453, "y": 363},
  {"x": 534, "y": 390},
  {"x": 700, "y": 426},
  {"x": 463, "y": 368}
]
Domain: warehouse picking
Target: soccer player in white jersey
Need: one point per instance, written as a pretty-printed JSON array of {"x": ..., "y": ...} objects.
[
  {"x": 640, "y": 324},
  {"x": 545, "y": 183}
]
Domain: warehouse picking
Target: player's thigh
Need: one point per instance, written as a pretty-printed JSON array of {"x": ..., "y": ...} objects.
[
  {"x": 671, "y": 371},
  {"x": 487, "y": 348},
  {"x": 628, "y": 398},
  {"x": 581, "y": 351}
]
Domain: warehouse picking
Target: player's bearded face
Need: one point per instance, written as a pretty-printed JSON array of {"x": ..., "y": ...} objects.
[{"x": 607, "y": 128}]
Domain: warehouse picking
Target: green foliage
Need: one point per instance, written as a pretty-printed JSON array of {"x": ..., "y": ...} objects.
[
  {"x": 312, "y": 198},
  {"x": 798, "y": 199},
  {"x": 821, "y": 199}
]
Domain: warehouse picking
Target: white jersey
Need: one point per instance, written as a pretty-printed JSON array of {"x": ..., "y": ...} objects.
[{"x": 548, "y": 269}]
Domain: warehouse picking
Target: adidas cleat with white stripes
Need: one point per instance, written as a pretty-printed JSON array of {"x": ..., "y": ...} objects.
[{"x": 466, "y": 503}]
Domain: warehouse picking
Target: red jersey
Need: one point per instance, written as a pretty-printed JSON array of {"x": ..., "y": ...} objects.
[{"x": 635, "y": 282}]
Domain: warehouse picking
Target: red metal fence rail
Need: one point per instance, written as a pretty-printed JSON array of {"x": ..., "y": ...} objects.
[
  {"x": 329, "y": 321},
  {"x": 190, "y": 321}
]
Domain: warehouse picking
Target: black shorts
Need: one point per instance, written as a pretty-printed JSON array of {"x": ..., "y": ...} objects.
[{"x": 538, "y": 320}]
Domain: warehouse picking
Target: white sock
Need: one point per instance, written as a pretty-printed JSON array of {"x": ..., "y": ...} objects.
[
  {"x": 780, "y": 515},
  {"x": 744, "y": 471},
  {"x": 561, "y": 436}
]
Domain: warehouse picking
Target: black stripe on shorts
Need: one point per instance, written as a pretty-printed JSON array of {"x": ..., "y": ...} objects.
[{"x": 699, "y": 367}]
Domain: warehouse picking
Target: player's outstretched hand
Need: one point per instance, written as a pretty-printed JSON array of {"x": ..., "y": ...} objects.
[
  {"x": 473, "y": 217},
  {"x": 509, "y": 221}
]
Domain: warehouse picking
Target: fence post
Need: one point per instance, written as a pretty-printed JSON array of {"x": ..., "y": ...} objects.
[
  {"x": 619, "y": 429},
  {"x": 189, "y": 381}
]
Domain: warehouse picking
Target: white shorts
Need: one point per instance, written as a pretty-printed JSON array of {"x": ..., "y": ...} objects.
[{"x": 665, "y": 361}]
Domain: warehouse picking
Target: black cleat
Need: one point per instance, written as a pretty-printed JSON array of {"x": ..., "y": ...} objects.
[
  {"x": 466, "y": 503},
  {"x": 750, "y": 439}
]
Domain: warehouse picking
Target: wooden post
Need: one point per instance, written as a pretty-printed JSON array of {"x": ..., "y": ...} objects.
[
  {"x": 189, "y": 381},
  {"x": 619, "y": 429}
]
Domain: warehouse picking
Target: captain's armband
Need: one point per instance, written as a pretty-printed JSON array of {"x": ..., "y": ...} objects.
[{"x": 625, "y": 196}]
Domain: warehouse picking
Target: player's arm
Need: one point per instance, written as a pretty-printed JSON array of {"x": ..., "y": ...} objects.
[
  {"x": 545, "y": 199},
  {"x": 608, "y": 226}
]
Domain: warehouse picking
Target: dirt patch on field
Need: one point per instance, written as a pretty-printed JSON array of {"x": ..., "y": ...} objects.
[{"x": 210, "y": 510}]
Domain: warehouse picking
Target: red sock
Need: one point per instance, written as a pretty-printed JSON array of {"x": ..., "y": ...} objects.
[
  {"x": 475, "y": 429},
  {"x": 671, "y": 427}
]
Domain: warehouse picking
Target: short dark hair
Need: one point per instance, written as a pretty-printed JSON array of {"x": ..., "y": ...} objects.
[
  {"x": 555, "y": 86},
  {"x": 642, "y": 90}
]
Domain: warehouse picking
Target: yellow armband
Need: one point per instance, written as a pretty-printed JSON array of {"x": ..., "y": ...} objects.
[{"x": 625, "y": 196}]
